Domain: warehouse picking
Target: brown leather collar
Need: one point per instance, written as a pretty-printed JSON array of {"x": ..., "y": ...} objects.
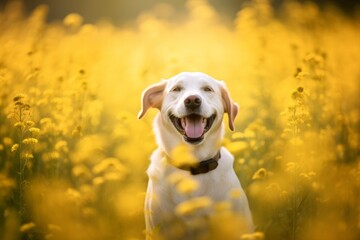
[{"x": 203, "y": 166}]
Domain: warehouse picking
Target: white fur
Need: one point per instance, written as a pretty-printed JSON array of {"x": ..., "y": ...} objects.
[{"x": 162, "y": 197}]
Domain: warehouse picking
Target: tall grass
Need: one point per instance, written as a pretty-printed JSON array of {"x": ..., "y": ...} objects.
[{"x": 73, "y": 155}]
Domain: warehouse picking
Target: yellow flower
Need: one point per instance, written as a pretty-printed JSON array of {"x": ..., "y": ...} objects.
[
  {"x": 259, "y": 174},
  {"x": 183, "y": 182},
  {"x": 62, "y": 146},
  {"x": 29, "y": 123},
  {"x": 235, "y": 193},
  {"x": 80, "y": 170},
  {"x": 53, "y": 155},
  {"x": 76, "y": 132},
  {"x": 14, "y": 147},
  {"x": 27, "y": 226},
  {"x": 73, "y": 20},
  {"x": 29, "y": 141},
  {"x": 273, "y": 187},
  {"x": 42, "y": 101},
  {"x": 291, "y": 167},
  {"x": 98, "y": 181},
  {"x": 19, "y": 125},
  {"x": 176, "y": 177},
  {"x": 187, "y": 186},
  {"x": 19, "y": 97},
  {"x": 253, "y": 236},
  {"x": 241, "y": 161},
  {"x": 237, "y": 135},
  {"x": 109, "y": 164},
  {"x": 45, "y": 121},
  {"x": 249, "y": 133},
  {"x": 237, "y": 147},
  {"x": 6, "y": 183},
  {"x": 54, "y": 228},
  {"x": 193, "y": 206},
  {"x": 34, "y": 130},
  {"x": 181, "y": 155},
  {"x": 113, "y": 176},
  {"x": 28, "y": 155},
  {"x": 223, "y": 206},
  {"x": 7, "y": 141},
  {"x": 73, "y": 194}
]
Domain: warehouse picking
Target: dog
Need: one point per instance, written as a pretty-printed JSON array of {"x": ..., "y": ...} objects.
[{"x": 191, "y": 108}]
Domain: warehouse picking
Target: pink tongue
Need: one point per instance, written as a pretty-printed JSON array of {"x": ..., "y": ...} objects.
[{"x": 194, "y": 127}]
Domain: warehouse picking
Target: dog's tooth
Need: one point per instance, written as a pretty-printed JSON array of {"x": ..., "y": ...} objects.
[
  {"x": 183, "y": 122},
  {"x": 204, "y": 121}
]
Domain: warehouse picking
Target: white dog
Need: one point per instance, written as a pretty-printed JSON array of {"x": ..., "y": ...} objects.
[{"x": 191, "y": 107}]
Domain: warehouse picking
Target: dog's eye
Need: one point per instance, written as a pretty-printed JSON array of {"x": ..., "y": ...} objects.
[
  {"x": 208, "y": 89},
  {"x": 176, "y": 89}
]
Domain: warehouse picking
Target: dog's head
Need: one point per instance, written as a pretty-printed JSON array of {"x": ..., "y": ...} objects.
[{"x": 192, "y": 104}]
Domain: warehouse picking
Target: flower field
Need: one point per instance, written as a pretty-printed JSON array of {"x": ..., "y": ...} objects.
[{"x": 73, "y": 154}]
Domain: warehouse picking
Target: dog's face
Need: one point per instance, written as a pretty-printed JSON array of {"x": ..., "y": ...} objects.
[{"x": 191, "y": 104}]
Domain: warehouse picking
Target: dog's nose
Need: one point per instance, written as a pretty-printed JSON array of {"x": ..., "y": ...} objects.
[{"x": 192, "y": 101}]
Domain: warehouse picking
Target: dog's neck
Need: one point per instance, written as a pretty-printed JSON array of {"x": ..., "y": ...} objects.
[{"x": 169, "y": 139}]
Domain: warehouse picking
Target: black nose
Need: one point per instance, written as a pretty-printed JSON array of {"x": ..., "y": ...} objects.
[{"x": 192, "y": 101}]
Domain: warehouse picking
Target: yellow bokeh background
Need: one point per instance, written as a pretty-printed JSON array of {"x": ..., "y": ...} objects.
[{"x": 73, "y": 154}]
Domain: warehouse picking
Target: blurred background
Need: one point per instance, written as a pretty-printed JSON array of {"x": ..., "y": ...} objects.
[
  {"x": 73, "y": 155},
  {"x": 121, "y": 11}
]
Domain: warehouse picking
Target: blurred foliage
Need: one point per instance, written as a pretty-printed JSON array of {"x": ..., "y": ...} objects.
[{"x": 73, "y": 155}]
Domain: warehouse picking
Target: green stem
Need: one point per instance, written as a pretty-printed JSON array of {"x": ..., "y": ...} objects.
[
  {"x": 20, "y": 168},
  {"x": 294, "y": 211}
]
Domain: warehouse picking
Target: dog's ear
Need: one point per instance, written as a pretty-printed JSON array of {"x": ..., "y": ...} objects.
[
  {"x": 230, "y": 107},
  {"x": 152, "y": 97}
]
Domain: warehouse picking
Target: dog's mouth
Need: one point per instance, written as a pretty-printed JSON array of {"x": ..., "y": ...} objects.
[{"x": 193, "y": 127}]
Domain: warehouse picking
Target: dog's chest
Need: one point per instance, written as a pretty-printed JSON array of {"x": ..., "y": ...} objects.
[
  {"x": 211, "y": 185},
  {"x": 208, "y": 185},
  {"x": 216, "y": 184}
]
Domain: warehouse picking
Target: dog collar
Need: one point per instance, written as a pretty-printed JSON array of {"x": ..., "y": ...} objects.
[{"x": 203, "y": 166}]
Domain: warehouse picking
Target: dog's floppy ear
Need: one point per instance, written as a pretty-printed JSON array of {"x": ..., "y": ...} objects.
[
  {"x": 152, "y": 96},
  {"x": 230, "y": 107}
]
